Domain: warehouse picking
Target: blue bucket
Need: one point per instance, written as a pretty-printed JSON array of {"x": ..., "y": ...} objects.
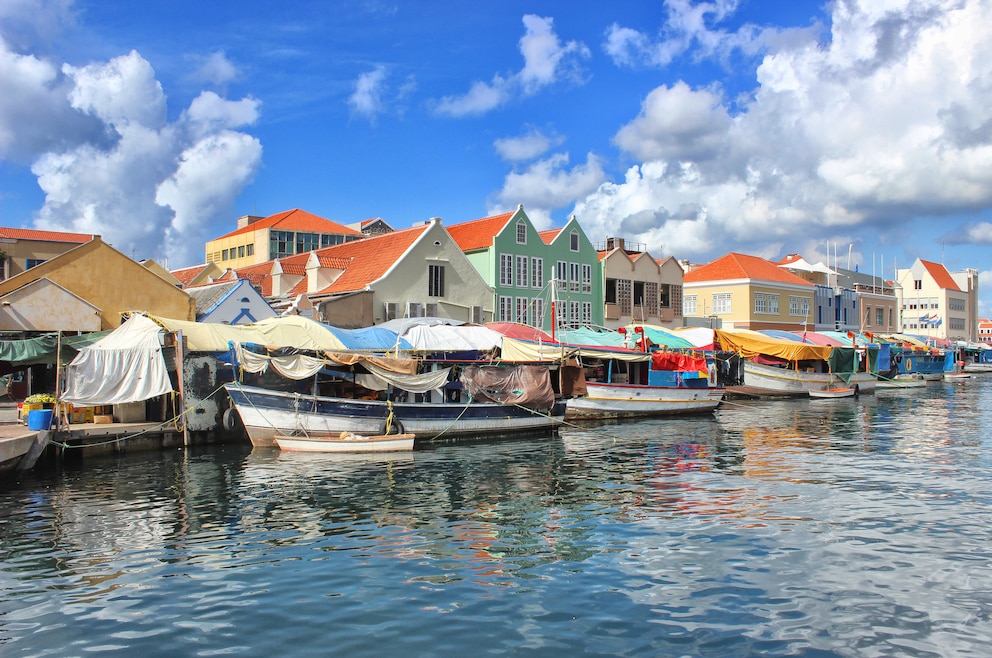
[{"x": 40, "y": 419}]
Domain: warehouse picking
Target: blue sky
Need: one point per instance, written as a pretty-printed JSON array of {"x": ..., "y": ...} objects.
[{"x": 696, "y": 128}]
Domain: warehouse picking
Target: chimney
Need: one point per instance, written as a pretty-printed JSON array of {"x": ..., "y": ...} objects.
[{"x": 245, "y": 220}]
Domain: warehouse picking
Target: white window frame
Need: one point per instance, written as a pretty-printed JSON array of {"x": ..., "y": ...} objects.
[
  {"x": 722, "y": 303},
  {"x": 521, "y": 232},
  {"x": 586, "y": 313},
  {"x": 574, "y": 277},
  {"x": 505, "y": 308},
  {"x": 522, "y": 277},
  {"x": 536, "y": 272},
  {"x": 506, "y": 270},
  {"x": 586, "y": 278},
  {"x": 689, "y": 305},
  {"x": 520, "y": 310},
  {"x": 537, "y": 312}
]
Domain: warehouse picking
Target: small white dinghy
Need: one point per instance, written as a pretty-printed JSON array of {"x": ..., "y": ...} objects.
[
  {"x": 844, "y": 392},
  {"x": 345, "y": 442}
]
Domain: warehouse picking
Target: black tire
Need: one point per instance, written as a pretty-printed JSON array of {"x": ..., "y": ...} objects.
[
  {"x": 395, "y": 427},
  {"x": 230, "y": 419}
]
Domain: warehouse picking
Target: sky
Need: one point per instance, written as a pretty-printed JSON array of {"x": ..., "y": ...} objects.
[{"x": 855, "y": 132}]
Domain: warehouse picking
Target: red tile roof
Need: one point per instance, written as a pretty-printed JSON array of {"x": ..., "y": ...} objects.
[
  {"x": 548, "y": 236},
  {"x": 45, "y": 236},
  {"x": 187, "y": 274},
  {"x": 741, "y": 266},
  {"x": 295, "y": 220},
  {"x": 370, "y": 258},
  {"x": 260, "y": 276},
  {"x": 478, "y": 233},
  {"x": 940, "y": 275}
]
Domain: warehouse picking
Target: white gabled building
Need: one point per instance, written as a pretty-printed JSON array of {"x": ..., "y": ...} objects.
[{"x": 936, "y": 303}]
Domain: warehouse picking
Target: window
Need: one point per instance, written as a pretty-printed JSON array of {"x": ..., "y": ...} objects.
[
  {"x": 573, "y": 277},
  {"x": 587, "y": 313},
  {"x": 435, "y": 280},
  {"x": 573, "y": 241},
  {"x": 520, "y": 315},
  {"x": 918, "y": 284},
  {"x": 638, "y": 293},
  {"x": 241, "y": 251},
  {"x": 562, "y": 275},
  {"x": 573, "y": 308},
  {"x": 521, "y": 232},
  {"x": 721, "y": 303},
  {"x": 33, "y": 262},
  {"x": 773, "y": 304},
  {"x": 587, "y": 278},
  {"x": 281, "y": 244},
  {"x": 611, "y": 291},
  {"x": 307, "y": 242},
  {"x": 224, "y": 254},
  {"x": 537, "y": 312},
  {"x": 536, "y": 272},
  {"x": 522, "y": 278},
  {"x": 651, "y": 296},
  {"x": 760, "y": 303},
  {"x": 505, "y": 270},
  {"x": 251, "y": 250},
  {"x": 506, "y": 309},
  {"x": 880, "y": 316},
  {"x": 329, "y": 239},
  {"x": 688, "y": 305}
]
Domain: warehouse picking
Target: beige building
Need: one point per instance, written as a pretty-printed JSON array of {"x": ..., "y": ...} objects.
[
  {"x": 87, "y": 289},
  {"x": 637, "y": 287},
  {"x": 22, "y": 248},
  {"x": 414, "y": 272},
  {"x": 261, "y": 239},
  {"x": 936, "y": 303}
]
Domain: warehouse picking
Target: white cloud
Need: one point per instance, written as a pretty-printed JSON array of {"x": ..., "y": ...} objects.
[
  {"x": 548, "y": 184},
  {"x": 546, "y": 62},
  {"x": 688, "y": 26},
  {"x": 530, "y": 145},
  {"x": 216, "y": 69},
  {"x": 122, "y": 180},
  {"x": 366, "y": 100},
  {"x": 893, "y": 115}
]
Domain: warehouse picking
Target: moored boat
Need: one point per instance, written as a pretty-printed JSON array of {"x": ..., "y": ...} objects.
[
  {"x": 345, "y": 442},
  {"x": 837, "y": 392},
  {"x": 902, "y": 381}
]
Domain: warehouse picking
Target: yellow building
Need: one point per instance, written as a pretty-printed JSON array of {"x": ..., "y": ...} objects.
[
  {"x": 747, "y": 292},
  {"x": 261, "y": 239}
]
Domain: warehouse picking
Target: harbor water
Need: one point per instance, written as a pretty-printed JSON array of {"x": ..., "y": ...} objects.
[{"x": 844, "y": 527}]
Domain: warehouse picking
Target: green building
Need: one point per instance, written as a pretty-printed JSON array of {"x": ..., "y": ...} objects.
[{"x": 530, "y": 270}]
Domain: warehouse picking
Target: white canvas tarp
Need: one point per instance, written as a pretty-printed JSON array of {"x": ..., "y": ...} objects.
[
  {"x": 448, "y": 338},
  {"x": 125, "y": 366}
]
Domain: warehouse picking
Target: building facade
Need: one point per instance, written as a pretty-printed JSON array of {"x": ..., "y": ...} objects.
[
  {"x": 934, "y": 305},
  {"x": 262, "y": 239},
  {"x": 637, "y": 287}
]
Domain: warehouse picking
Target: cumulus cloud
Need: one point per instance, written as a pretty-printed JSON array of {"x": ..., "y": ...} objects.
[
  {"x": 119, "y": 168},
  {"x": 691, "y": 26},
  {"x": 546, "y": 61},
  {"x": 548, "y": 184},
  {"x": 215, "y": 69},
  {"x": 528, "y": 146},
  {"x": 888, "y": 120}
]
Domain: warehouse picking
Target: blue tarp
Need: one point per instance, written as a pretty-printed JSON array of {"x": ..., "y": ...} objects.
[
  {"x": 370, "y": 339},
  {"x": 778, "y": 333}
]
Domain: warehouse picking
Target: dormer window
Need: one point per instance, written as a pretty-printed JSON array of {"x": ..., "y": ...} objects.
[{"x": 521, "y": 232}]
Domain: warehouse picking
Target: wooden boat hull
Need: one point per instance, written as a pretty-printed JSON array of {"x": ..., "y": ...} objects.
[
  {"x": 788, "y": 381},
  {"x": 350, "y": 443},
  {"x": 266, "y": 413},
  {"x": 631, "y": 400},
  {"x": 832, "y": 393}
]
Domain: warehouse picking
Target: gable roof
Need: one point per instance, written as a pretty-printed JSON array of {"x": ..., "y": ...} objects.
[
  {"x": 44, "y": 236},
  {"x": 548, "y": 235},
  {"x": 370, "y": 258},
  {"x": 478, "y": 233},
  {"x": 188, "y": 274},
  {"x": 940, "y": 275},
  {"x": 742, "y": 266},
  {"x": 209, "y": 295},
  {"x": 295, "y": 220}
]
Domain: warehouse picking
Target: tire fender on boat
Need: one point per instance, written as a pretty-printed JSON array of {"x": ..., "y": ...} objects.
[
  {"x": 711, "y": 374},
  {"x": 230, "y": 419},
  {"x": 394, "y": 427}
]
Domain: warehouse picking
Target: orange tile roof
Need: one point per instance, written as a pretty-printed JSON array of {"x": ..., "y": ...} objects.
[
  {"x": 741, "y": 266},
  {"x": 45, "y": 236},
  {"x": 478, "y": 233},
  {"x": 187, "y": 274},
  {"x": 295, "y": 220},
  {"x": 260, "y": 276},
  {"x": 548, "y": 236},
  {"x": 940, "y": 275},
  {"x": 371, "y": 258}
]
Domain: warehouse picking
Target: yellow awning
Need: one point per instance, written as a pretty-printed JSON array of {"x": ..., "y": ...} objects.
[{"x": 752, "y": 343}]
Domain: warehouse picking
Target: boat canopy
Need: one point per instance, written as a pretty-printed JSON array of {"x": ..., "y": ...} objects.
[
  {"x": 816, "y": 338},
  {"x": 587, "y": 336},
  {"x": 521, "y": 331},
  {"x": 531, "y": 351},
  {"x": 660, "y": 336},
  {"x": 749, "y": 344},
  {"x": 451, "y": 338},
  {"x": 288, "y": 331},
  {"x": 369, "y": 339},
  {"x": 784, "y": 335}
]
